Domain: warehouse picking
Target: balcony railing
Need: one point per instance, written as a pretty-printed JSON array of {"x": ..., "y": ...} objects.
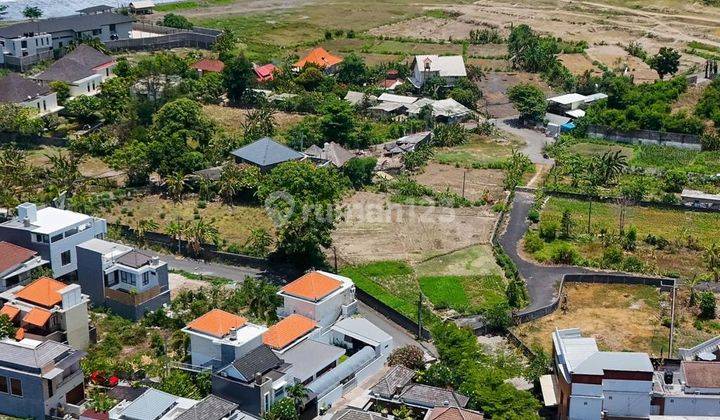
[{"x": 133, "y": 299}]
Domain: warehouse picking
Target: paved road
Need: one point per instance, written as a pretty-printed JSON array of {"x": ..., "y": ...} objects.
[
  {"x": 235, "y": 273},
  {"x": 542, "y": 281},
  {"x": 534, "y": 140}
]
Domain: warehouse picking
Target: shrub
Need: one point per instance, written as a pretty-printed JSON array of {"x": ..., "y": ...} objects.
[
  {"x": 612, "y": 255},
  {"x": 410, "y": 356},
  {"x": 564, "y": 253},
  {"x": 630, "y": 239},
  {"x": 707, "y": 305},
  {"x": 675, "y": 181},
  {"x": 548, "y": 231},
  {"x": 533, "y": 243},
  {"x": 632, "y": 264},
  {"x": 533, "y": 215}
]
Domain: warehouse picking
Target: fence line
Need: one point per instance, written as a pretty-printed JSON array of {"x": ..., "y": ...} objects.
[{"x": 680, "y": 140}]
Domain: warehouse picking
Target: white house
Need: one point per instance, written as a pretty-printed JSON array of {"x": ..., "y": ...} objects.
[
  {"x": 320, "y": 296},
  {"x": 18, "y": 90},
  {"x": 52, "y": 233},
  {"x": 84, "y": 69},
  {"x": 450, "y": 68},
  {"x": 218, "y": 338},
  {"x": 592, "y": 384}
]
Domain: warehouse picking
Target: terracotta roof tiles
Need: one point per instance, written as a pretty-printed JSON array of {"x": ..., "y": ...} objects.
[
  {"x": 312, "y": 286},
  {"x": 12, "y": 256},
  {"x": 319, "y": 57},
  {"x": 217, "y": 323},
  {"x": 208, "y": 65},
  {"x": 37, "y": 317},
  {"x": 43, "y": 291},
  {"x": 10, "y": 311},
  {"x": 288, "y": 330}
]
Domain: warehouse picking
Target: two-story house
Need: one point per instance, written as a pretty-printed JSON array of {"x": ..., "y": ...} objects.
[
  {"x": 25, "y": 43},
  {"x": 47, "y": 309},
  {"x": 449, "y": 68},
  {"x": 40, "y": 378},
  {"x": 15, "y": 89},
  {"x": 218, "y": 338},
  {"x": 320, "y": 296},
  {"x": 84, "y": 70},
  {"x": 254, "y": 381},
  {"x": 17, "y": 264},
  {"x": 52, "y": 233},
  {"x": 126, "y": 280}
]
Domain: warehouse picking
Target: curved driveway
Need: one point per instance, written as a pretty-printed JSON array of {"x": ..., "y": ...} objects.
[{"x": 542, "y": 280}]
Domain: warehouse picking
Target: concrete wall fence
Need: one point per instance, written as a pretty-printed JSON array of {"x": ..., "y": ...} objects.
[
  {"x": 685, "y": 141},
  {"x": 162, "y": 37}
]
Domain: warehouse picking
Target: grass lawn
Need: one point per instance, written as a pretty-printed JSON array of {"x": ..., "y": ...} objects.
[
  {"x": 471, "y": 261},
  {"x": 233, "y": 222},
  {"x": 598, "y": 149},
  {"x": 479, "y": 152},
  {"x": 89, "y": 166},
  {"x": 230, "y": 118},
  {"x": 678, "y": 227},
  {"x": 465, "y": 294}
]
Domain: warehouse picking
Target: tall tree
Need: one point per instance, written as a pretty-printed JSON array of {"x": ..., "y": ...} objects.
[
  {"x": 32, "y": 12},
  {"x": 199, "y": 232},
  {"x": 353, "y": 70},
  {"x": 529, "y": 101},
  {"x": 666, "y": 61},
  {"x": 239, "y": 77}
]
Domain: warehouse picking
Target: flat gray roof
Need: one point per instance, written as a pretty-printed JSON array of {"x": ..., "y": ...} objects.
[
  {"x": 30, "y": 354},
  {"x": 104, "y": 247},
  {"x": 150, "y": 405},
  {"x": 363, "y": 330},
  {"x": 76, "y": 23},
  {"x": 309, "y": 357}
]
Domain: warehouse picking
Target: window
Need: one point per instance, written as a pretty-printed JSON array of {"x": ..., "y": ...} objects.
[
  {"x": 65, "y": 258},
  {"x": 23, "y": 44},
  {"x": 16, "y": 387},
  {"x": 128, "y": 278},
  {"x": 36, "y": 42},
  {"x": 112, "y": 27},
  {"x": 96, "y": 31},
  {"x": 71, "y": 232},
  {"x": 146, "y": 278},
  {"x": 39, "y": 237},
  {"x": 3, "y": 385},
  {"x": 56, "y": 238}
]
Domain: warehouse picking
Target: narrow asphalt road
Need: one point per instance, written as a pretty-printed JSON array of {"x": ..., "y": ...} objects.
[
  {"x": 534, "y": 140},
  {"x": 542, "y": 281}
]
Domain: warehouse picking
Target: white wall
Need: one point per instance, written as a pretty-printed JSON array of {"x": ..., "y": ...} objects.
[
  {"x": 325, "y": 312},
  {"x": 87, "y": 86},
  {"x": 692, "y": 405},
  {"x": 44, "y": 104},
  {"x": 98, "y": 227},
  {"x": 585, "y": 408},
  {"x": 203, "y": 350}
]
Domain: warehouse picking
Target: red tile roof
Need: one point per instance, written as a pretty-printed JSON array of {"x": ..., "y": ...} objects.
[
  {"x": 453, "y": 413},
  {"x": 217, "y": 323},
  {"x": 12, "y": 256},
  {"x": 312, "y": 286},
  {"x": 20, "y": 334},
  {"x": 38, "y": 317},
  {"x": 320, "y": 57},
  {"x": 10, "y": 311},
  {"x": 288, "y": 330},
  {"x": 43, "y": 291},
  {"x": 701, "y": 374},
  {"x": 265, "y": 73},
  {"x": 206, "y": 64}
]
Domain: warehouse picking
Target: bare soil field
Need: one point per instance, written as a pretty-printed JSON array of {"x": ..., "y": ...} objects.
[
  {"x": 615, "y": 57},
  {"x": 479, "y": 183},
  {"x": 578, "y": 63},
  {"x": 495, "y": 85},
  {"x": 426, "y": 27},
  {"x": 376, "y": 230},
  {"x": 230, "y": 118}
]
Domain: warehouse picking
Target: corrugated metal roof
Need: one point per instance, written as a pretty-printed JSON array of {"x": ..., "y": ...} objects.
[
  {"x": 150, "y": 405},
  {"x": 31, "y": 354},
  {"x": 266, "y": 151}
]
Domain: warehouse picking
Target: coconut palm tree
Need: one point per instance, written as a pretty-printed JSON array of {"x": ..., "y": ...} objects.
[
  {"x": 175, "y": 230},
  {"x": 712, "y": 260},
  {"x": 200, "y": 231},
  {"x": 175, "y": 185},
  {"x": 691, "y": 284},
  {"x": 298, "y": 393},
  {"x": 611, "y": 165},
  {"x": 144, "y": 226},
  {"x": 64, "y": 172}
]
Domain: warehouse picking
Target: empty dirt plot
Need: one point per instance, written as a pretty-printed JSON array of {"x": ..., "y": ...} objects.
[
  {"x": 426, "y": 27},
  {"x": 620, "y": 317},
  {"x": 375, "y": 230},
  {"x": 615, "y": 57},
  {"x": 495, "y": 86},
  {"x": 578, "y": 63},
  {"x": 479, "y": 183}
]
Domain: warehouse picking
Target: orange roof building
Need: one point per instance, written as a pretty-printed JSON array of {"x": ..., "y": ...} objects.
[
  {"x": 207, "y": 65},
  {"x": 313, "y": 286},
  {"x": 288, "y": 331},
  {"x": 37, "y": 317},
  {"x": 219, "y": 337},
  {"x": 320, "y": 58},
  {"x": 217, "y": 323},
  {"x": 10, "y": 311},
  {"x": 43, "y": 292}
]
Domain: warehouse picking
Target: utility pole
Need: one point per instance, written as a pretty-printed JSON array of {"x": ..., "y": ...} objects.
[
  {"x": 420, "y": 327},
  {"x": 463, "y": 185},
  {"x": 672, "y": 323}
]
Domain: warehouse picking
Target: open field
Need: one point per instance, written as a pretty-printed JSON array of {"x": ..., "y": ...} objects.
[
  {"x": 578, "y": 63},
  {"x": 375, "y": 229},
  {"x": 620, "y": 317},
  {"x": 681, "y": 228},
  {"x": 427, "y": 27},
  {"x": 233, "y": 222},
  {"x": 479, "y": 183},
  {"x": 89, "y": 166},
  {"x": 230, "y": 118},
  {"x": 615, "y": 57},
  {"x": 479, "y": 152},
  {"x": 495, "y": 86},
  {"x": 473, "y": 260}
]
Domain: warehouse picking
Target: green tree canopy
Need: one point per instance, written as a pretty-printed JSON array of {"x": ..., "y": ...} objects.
[
  {"x": 666, "y": 61},
  {"x": 176, "y": 21},
  {"x": 529, "y": 100},
  {"x": 239, "y": 77}
]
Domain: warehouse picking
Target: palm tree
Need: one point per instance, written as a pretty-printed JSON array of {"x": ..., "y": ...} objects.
[
  {"x": 175, "y": 230},
  {"x": 144, "y": 226},
  {"x": 691, "y": 284},
  {"x": 175, "y": 185},
  {"x": 198, "y": 232},
  {"x": 298, "y": 393},
  {"x": 258, "y": 123},
  {"x": 64, "y": 172},
  {"x": 611, "y": 165},
  {"x": 712, "y": 260},
  {"x": 32, "y": 12}
]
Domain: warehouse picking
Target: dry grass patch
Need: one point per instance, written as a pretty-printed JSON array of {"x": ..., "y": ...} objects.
[
  {"x": 479, "y": 183},
  {"x": 230, "y": 118},
  {"x": 233, "y": 222},
  {"x": 620, "y": 317}
]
